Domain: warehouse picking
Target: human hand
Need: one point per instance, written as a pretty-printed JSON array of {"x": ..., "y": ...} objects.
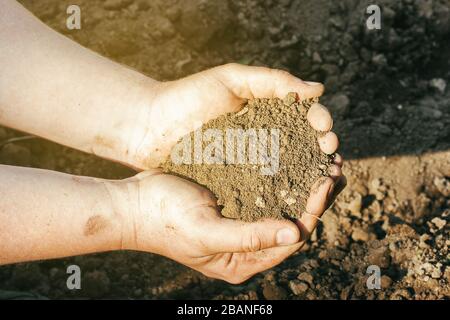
[
  {"x": 181, "y": 106},
  {"x": 180, "y": 220}
]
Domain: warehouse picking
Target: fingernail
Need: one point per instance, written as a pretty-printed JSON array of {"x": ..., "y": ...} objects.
[
  {"x": 329, "y": 142},
  {"x": 312, "y": 83},
  {"x": 286, "y": 237}
]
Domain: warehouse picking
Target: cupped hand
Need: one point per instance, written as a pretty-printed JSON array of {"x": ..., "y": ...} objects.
[
  {"x": 180, "y": 220},
  {"x": 181, "y": 106}
]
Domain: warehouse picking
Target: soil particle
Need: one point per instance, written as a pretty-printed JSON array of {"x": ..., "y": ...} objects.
[
  {"x": 340, "y": 103},
  {"x": 271, "y": 291},
  {"x": 360, "y": 234},
  {"x": 306, "y": 277},
  {"x": 439, "y": 223},
  {"x": 297, "y": 287},
  {"x": 385, "y": 282},
  {"x": 379, "y": 257},
  {"x": 331, "y": 228},
  {"x": 438, "y": 84},
  {"x": 443, "y": 185},
  {"x": 287, "y": 164}
]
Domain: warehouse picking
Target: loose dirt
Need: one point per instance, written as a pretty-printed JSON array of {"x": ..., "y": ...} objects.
[{"x": 279, "y": 154}]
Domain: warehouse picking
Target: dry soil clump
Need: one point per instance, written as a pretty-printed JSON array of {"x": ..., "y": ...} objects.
[{"x": 259, "y": 162}]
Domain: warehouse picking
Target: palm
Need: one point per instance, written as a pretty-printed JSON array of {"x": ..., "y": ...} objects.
[{"x": 190, "y": 230}]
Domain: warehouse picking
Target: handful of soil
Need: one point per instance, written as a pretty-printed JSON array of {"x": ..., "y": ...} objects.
[{"x": 259, "y": 162}]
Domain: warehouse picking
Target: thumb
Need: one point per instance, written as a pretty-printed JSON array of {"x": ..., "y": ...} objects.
[
  {"x": 250, "y": 82},
  {"x": 237, "y": 236}
]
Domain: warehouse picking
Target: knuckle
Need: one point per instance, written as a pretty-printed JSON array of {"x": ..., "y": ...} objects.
[
  {"x": 281, "y": 74},
  {"x": 252, "y": 242},
  {"x": 281, "y": 81}
]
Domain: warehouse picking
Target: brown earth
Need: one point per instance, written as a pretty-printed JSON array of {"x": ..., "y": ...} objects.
[
  {"x": 388, "y": 95},
  {"x": 276, "y": 181}
]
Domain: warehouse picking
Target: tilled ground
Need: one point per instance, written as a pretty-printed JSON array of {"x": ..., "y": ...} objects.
[{"x": 387, "y": 91}]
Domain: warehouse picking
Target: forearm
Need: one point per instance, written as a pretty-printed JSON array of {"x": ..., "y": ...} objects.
[
  {"x": 52, "y": 87},
  {"x": 45, "y": 214}
]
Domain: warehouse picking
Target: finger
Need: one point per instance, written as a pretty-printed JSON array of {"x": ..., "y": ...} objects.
[
  {"x": 338, "y": 160},
  {"x": 228, "y": 235},
  {"x": 238, "y": 267},
  {"x": 319, "y": 118},
  {"x": 259, "y": 82},
  {"x": 335, "y": 171},
  {"x": 269, "y": 258},
  {"x": 316, "y": 205},
  {"x": 328, "y": 143},
  {"x": 340, "y": 185},
  {"x": 251, "y": 263}
]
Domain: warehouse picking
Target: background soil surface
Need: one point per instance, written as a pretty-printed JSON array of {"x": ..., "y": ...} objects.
[{"x": 387, "y": 92}]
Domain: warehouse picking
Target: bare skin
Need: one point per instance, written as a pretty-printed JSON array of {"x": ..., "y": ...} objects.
[{"x": 70, "y": 95}]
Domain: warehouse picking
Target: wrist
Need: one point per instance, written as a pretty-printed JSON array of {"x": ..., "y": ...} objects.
[
  {"x": 162, "y": 121},
  {"x": 139, "y": 128},
  {"x": 132, "y": 202},
  {"x": 127, "y": 123},
  {"x": 123, "y": 201}
]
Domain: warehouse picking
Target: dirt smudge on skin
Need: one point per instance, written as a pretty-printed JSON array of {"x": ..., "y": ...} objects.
[
  {"x": 170, "y": 229},
  {"x": 95, "y": 225},
  {"x": 76, "y": 178},
  {"x": 104, "y": 142}
]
